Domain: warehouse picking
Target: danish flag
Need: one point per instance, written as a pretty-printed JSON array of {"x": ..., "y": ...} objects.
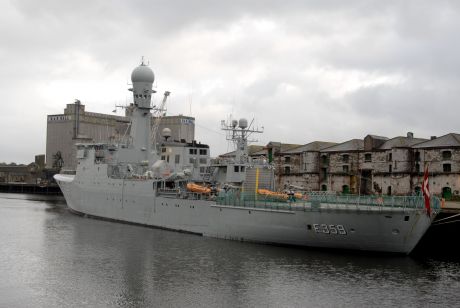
[{"x": 426, "y": 191}]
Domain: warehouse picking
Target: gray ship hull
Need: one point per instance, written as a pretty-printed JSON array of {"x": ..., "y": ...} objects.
[{"x": 382, "y": 229}]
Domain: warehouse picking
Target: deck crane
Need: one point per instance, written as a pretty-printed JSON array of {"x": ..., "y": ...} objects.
[{"x": 158, "y": 114}]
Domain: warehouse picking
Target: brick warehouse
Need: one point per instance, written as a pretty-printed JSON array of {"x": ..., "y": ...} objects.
[{"x": 373, "y": 165}]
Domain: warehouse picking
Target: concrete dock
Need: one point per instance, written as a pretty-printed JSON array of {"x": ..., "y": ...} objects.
[{"x": 26, "y": 188}]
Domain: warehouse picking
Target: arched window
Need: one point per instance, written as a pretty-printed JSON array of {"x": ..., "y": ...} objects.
[
  {"x": 324, "y": 187},
  {"x": 345, "y": 189},
  {"x": 446, "y": 155},
  {"x": 447, "y": 193}
]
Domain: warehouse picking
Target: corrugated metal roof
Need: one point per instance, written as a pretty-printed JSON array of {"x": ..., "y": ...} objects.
[
  {"x": 347, "y": 146},
  {"x": 449, "y": 140},
  {"x": 400, "y": 142},
  {"x": 310, "y": 147}
]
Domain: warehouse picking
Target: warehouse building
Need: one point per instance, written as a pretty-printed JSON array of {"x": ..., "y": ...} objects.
[{"x": 374, "y": 165}]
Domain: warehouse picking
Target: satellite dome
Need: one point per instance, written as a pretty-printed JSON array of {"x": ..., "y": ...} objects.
[
  {"x": 166, "y": 132},
  {"x": 142, "y": 73},
  {"x": 243, "y": 123}
]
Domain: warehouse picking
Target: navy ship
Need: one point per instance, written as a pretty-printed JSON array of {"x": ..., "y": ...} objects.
[{"x": 132, "y": 182}]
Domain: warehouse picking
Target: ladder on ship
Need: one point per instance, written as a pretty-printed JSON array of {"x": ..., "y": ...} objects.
[{"x": 209, "y": 172}]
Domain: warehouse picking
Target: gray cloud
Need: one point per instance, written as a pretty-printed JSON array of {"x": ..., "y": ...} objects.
[{"x": 306, "y": 70}]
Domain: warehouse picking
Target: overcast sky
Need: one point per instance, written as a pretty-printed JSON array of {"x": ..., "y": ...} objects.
[{"x": 305, "y": 70}]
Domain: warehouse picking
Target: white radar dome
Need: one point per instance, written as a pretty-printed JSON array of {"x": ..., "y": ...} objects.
[
  {"x": 166, "y": 132},
  {"x": 142, "y": 73},
  {"x": 243, "y": 123}
]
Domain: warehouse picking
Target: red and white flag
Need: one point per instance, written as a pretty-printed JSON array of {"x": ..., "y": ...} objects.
[{"x": 426, "y": 191}]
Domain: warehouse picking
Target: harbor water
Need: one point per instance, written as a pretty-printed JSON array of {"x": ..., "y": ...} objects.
[{"x": 50, "y": 257}]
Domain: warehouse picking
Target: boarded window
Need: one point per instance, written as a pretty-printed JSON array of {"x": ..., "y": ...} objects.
[
  {"x": 446, "y": 167},
  {"x": 368, "y": 157}
]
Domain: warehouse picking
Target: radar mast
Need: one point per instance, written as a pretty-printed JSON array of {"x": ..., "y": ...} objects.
[{"x": 239, "y": 132}]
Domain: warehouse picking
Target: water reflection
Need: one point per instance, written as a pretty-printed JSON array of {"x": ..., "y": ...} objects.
[{"x": 58, "y": 259}]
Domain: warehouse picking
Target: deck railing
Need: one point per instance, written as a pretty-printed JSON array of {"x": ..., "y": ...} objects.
[{"x": 327, "y": 201}]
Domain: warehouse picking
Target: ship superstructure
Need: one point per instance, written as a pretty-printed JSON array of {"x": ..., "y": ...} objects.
[{"x": 136, "y": 182}]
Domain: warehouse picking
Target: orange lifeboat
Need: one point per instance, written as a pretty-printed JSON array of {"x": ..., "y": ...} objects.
[
  {"x": 269, "y": 193},
  {"x": 198, "y": 188}
]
